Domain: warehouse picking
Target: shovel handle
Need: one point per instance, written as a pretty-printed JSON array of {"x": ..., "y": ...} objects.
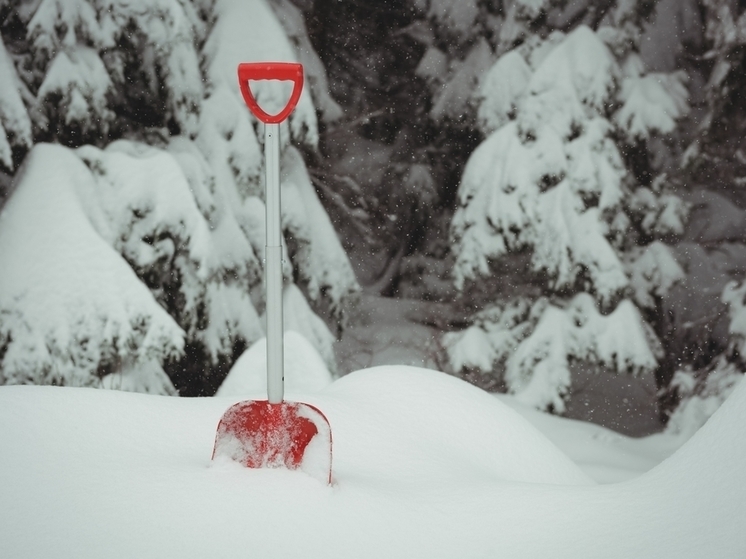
[{"x": 286, "y": 71}]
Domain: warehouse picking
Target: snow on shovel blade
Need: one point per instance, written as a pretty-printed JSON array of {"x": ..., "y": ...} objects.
[{"x": 292, "y": 435}]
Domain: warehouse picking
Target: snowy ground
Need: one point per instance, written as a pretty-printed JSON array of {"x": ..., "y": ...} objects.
[
  {"x": 394, "y": 331},
  {"x": 424, "y": 466}
]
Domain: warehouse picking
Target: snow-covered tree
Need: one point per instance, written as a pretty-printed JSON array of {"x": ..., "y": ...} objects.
[
  {"x": 99, "y": 59},
  {"x": 714, "y": 162},
  {"x": 175, "y": 211},
  {"x": 15, "y": 124},
  {"x": 293, "y": 21},
  {"x": 701, "y": 392},
  {"x": 553, "y": 180},
  {"x": 717, "y": 147},
  {"x": 463, "y": 38}
]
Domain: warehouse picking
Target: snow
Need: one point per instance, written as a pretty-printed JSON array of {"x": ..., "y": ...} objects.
[
  {"x": 76, "y": 19},
  {"x": 183, "y": 80},
  {"x": 245, "y": 31},
  {"x": 734, "y": 295},
  {"x": 229, "y": 143},
  {"x": 433, "y": 65},
  {"x": 456, "y": 15},
  {"x": 471, "y": 348},
  {"x": 305, "y": 370},
  {"x": 574, "y": 82},
  {"x": 293, "y": 21},
  {"x": 500, "y": 90},
  {"x": 653, "y": 272},
  {"x": 572, "y": 241},
  {"x": 652, "y": 103},
  {"x": 424, "y": 465},
  {"x": 497, "y": 195},
  {"x": 69, "y": 301},
  {"x": 147, "y": 209},
  {"x": 604, "y": 455},
  {"x": 146, "y": 377},
  {"x": 320, "y": 261},
  {"x": 187, "y": 216},
  {"x": 662, "y": 214},
  {"x": 550, "y": 180},
  {"x": 150, "y": 184},
  {"x": 15, "y": 125},
  {"x": 299, "y": 317},
  {"x": 495, "y": 334},
  {"x": 78, "y": 79},
  {"x": 502, "y": 208},
  {"x": 701, "y": 397},
  {"x": 538, "y": 371},
  {"x": 527, "y": 184},
  {"x": 537, "y": 344},
  {"x": 452, "y": 102},
  {"x": 231, "y": 315},
  {"x": 131, "y": 200},
  {"x": 74, "y": 33}
]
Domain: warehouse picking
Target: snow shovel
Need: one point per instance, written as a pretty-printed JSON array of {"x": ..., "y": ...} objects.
[{"x": 274, "y": 433}]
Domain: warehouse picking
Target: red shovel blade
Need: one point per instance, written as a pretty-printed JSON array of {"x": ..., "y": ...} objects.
[{"x": 293, "y": 435}]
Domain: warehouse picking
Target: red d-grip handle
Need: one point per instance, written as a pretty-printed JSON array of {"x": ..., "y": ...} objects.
[{"x": 286, "y": 71}]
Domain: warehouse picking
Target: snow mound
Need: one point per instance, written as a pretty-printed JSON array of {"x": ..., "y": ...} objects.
[
  {"x": 305, "y": 370},
  {"x": 411, "y": 423},
  {"x": 424, "y": 466}
]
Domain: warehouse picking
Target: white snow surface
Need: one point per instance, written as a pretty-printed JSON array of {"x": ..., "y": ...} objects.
[
  {"x": 305, "y": 370},
  {"x": 424, "y": 465}
]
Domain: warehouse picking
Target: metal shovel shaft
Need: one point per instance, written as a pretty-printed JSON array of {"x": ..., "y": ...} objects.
[{"x": 273, "y": 266}]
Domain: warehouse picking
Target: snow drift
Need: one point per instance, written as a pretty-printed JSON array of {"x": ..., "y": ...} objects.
[{"x": 424, "y": 466}]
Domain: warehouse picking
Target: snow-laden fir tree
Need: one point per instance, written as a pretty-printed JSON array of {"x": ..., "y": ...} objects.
[
  {"x": 701, "y": 392},
  {"x": 138, "y": 253},
  {"x": 15, "y": 124},
  {"x": 463, "y": 38},
  {"x": 717, "y": 148},
  {"x": 716, "y": 159},
  {"x": 550, "y": 180}
]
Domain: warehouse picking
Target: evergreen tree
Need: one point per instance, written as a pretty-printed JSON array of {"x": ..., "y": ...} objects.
[
  {"x": 700, "y": 392},
  {"x": 566, "y": 117},
  {"x": 165, "y": 180},
  {"x": 716, "y": 158}
]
